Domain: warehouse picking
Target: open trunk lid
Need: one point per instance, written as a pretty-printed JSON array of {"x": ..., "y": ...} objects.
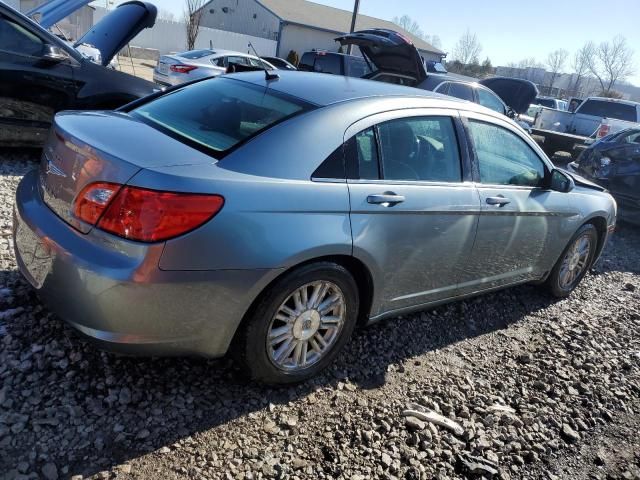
[
  {"x": 389, "y": 51},
  {"x": 50, "y": 13},
  {"x": 119, "y": 27},
  {"x": 516, "y": 93},
  {"x": 87, "y": 147}
]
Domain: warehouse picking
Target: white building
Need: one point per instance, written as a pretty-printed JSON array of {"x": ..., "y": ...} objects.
[{"x": 297, "y": 25}]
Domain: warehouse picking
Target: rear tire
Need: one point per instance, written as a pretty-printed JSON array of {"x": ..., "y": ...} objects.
[
  {"x": 299, "y": 325},
  {"x": 574, "y": 263}
]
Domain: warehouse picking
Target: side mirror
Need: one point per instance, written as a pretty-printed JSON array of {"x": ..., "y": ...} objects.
[
  {"x": 52, "y": 54},
  {"x": 560, "y": 181}
]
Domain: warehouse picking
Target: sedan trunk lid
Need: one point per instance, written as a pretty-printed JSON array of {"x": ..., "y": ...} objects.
[
  {"x": 389, "y": 51},
  {"x": 70, "y": 163}
]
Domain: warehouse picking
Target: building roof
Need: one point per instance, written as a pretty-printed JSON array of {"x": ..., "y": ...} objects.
[{"x": 314, "y": 15}]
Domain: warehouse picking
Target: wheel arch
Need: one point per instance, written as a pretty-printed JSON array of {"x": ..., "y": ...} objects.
[{"x": 360, "y": 272}]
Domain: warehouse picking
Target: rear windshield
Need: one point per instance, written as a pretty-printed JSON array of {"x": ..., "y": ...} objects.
[
  {"x": 194, "y": 54},
  {"x": 218, "y": 114},
  {"x": 602, "y": 108}
]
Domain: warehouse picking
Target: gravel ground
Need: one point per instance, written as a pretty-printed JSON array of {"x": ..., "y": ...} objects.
[{"x": 536, "y": 388}]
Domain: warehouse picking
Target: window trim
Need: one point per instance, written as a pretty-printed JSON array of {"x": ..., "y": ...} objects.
[
  {"x": 382, "y": 117},
  {"x": 466, "y": 117}
]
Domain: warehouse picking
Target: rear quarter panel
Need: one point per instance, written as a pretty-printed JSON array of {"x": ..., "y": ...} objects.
[{"x": 265, "y": 223}]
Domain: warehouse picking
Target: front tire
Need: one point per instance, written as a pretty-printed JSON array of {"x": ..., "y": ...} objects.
[
  {"x": 299, "y": 325},
  {"x": 574, "y": 263}
]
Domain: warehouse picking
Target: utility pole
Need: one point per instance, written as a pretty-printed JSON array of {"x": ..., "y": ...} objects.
[{"x": 356, "y": 8}]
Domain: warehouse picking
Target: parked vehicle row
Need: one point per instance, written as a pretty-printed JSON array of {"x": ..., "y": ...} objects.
[
  {"x": 595, "y": 116},
  {"x": 189, "y": 223}
]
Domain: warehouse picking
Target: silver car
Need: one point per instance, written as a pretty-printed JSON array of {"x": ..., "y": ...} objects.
[
  {"x": 195, "y": 64},
  {"x": 269, "y": 218}
]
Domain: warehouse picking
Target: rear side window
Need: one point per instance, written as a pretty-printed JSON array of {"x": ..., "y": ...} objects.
[
  {"x": 601, "y": 108},
  {"x": 16, "y": 39},
  {"x": 420, "y": 148},
  {"x": 218, "y": 114},
  {"x": 460, "y": 90},
  {"x": 504, "y": 158},
  {"x": 363, "y": 151}
]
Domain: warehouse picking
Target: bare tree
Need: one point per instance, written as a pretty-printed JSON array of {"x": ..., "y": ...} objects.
[
  {"x": 612, "y": 63},
  {"x": 192, "y": 17},
  {"x": 468, "y": 48},
  {"x": 556, "y": 61},
  {"x": 409, "y": 24},
  {"x": 580, "y": 64}
]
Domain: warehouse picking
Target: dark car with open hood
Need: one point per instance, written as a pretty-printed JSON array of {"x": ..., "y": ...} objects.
[
  {"x": 398, "y": 61},
  {"x": 614, "y": 163},
  {"x": 40, "y": 74}
]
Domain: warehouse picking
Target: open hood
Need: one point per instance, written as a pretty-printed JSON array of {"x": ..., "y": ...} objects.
[
  {"x": 516, "y": 93},
  {"x": 50, "y": 13},
  {"x": 118, "y": 28},
  {"x": 389, "y": 51}
]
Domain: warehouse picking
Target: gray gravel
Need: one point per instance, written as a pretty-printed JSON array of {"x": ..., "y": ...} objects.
[{"x": 539, "y": 388}]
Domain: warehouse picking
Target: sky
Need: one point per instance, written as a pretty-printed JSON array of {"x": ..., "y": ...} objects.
[{"x": 509, "y": 30}]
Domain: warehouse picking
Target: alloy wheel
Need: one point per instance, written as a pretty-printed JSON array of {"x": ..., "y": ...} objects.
[
  {"x": 306, "y": 326},
  {"x": 575, "y": 262}
]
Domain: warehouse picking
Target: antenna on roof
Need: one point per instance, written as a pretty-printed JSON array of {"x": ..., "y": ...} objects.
[{"x": 268, "y": 74}]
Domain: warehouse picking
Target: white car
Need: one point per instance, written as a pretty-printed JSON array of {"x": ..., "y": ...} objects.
[{"x": 195, "y": 64}]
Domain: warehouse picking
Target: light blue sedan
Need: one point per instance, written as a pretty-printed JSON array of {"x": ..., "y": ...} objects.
[{"x": 268, "y": 216}]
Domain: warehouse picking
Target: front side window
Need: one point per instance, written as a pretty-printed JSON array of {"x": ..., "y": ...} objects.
[
  {"x": 504, "y": 158},
  {"x": 17, "y": 39},
  {"x": 420, "y": 148},
  {"x": 219, "y": 113},
  {"x": 462, "y": 91},
  {"x": 632, "y": 137},
  {"x": 489, "y": 100}
]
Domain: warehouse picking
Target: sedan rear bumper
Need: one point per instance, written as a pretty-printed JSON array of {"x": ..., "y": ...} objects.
[{"x": 113, "y": 291}]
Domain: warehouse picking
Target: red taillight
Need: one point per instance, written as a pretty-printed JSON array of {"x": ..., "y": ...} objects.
[
  {"x": 93, "y": 201},
  {"x": 182, "y": 68},
  {"x": 603, "y": 131},
  {"x": 145, "y": 215}
]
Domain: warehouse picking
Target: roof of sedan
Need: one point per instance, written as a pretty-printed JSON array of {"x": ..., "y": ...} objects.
[{"x": 325, "y": 89}]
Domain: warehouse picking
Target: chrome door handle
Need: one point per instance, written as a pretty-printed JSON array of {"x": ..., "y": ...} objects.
[
  {"x": 385, "y": 199},
  {"x": 499, "y": 201}
]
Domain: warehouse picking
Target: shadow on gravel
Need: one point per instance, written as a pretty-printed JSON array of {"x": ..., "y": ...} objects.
[
  {"x": 85, "y": 410},
  {"x": 622, "y": 254}
]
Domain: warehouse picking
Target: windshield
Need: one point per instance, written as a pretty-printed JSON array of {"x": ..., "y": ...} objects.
[{"x": 219, "y": 113}]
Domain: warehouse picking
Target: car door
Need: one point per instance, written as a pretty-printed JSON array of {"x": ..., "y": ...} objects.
[
  {"x": 523, "y": 225},
  {"x": 32, "y": 87},
  {"x": 413, "y": 207}
]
